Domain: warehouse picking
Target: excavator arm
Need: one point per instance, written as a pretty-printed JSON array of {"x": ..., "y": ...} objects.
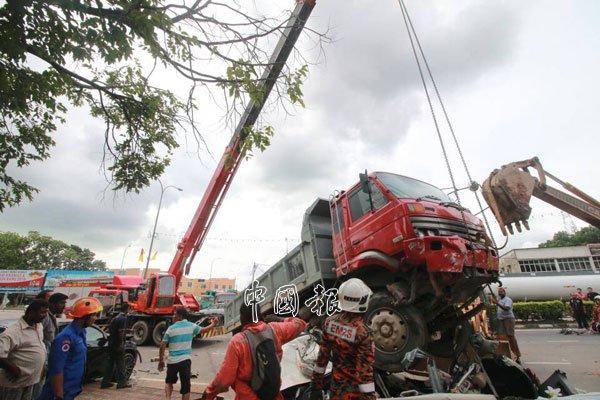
[{"x": 508, "y": 191}]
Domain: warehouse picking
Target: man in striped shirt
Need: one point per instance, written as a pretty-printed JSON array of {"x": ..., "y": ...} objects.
[{"x": 178, "y": 338}]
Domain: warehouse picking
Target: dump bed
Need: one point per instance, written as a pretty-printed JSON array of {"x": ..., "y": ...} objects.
[{"x": 308, "y": 263}]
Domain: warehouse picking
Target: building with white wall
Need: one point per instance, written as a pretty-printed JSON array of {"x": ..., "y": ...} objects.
[{"x": 574, "y": 259}]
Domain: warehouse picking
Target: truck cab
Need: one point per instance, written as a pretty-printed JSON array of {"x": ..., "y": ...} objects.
[{"x": 394, "y": 222}]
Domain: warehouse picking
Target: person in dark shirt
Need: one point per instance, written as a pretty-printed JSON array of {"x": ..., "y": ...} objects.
[
  {"x": 578, "y": 311},
  {"x": 117, "y": 331},
  {"x": 591, "y": 295}
]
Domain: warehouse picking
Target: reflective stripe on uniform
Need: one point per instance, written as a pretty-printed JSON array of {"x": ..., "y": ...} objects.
[{"x": 367, "y": 387}]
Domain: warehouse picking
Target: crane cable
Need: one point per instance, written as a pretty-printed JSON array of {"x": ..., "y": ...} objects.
[
  {"x": 437, "y": 128},
  {"x": 412, "y": 32}
]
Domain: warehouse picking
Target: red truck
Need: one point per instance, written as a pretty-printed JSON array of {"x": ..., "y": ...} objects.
[{"x": 425, "y": 257}]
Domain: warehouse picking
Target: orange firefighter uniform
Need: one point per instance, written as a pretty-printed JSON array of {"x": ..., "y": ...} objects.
[
  {"x": 236, "y": 369},
  {"x": 347, "y": 343}
]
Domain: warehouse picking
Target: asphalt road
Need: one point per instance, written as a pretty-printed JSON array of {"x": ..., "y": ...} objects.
[{"x": 546, "y": 350}]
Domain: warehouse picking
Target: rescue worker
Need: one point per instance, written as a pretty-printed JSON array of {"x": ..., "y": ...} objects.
[
  {"x": 595, "y": 325},
  {"x": 68, "y": 353},
  {"x": 348, "y": 344},
  {"x": 237, "y": 367}
]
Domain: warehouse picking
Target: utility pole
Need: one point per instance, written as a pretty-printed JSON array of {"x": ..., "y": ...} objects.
[
  {"x": 162, "y": 192},
  {"x": 123, "y": 258}
]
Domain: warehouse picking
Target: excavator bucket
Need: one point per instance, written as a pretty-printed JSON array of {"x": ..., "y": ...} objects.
[{"x": 508, "y": 191}]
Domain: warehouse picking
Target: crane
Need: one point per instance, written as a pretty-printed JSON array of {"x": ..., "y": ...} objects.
[
  {"x": 508, "y": 191},
  {"x": 158, "y": 296}
]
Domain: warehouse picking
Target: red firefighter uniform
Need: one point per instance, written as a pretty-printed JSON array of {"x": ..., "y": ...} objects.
[
  {"x": 236, "y": 369},
  {"x": 348, "y": 345}
]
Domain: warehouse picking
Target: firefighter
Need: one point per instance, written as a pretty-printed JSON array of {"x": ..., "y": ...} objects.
[
  {"x": 68, "y": 352},
  {"x": 237, "y": 370},
  {"x": 348, "y": 344}
]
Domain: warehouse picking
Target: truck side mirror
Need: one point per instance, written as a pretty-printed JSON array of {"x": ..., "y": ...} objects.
[
  {"x": 366, "y": 187},
  {"x": 364, "y": 182}
]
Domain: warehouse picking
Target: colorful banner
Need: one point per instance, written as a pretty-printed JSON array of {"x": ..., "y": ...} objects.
[
  {"x": 57, "y": 278},
  {"x": 76, "y": 284},
  {"x": 14, "y": 280}
]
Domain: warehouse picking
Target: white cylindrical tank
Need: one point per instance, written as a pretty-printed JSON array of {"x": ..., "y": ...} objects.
[{"x": 546, "y": 287}]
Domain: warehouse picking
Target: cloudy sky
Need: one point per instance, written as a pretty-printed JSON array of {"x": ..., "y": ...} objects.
[{"x": 518, "y": 79}]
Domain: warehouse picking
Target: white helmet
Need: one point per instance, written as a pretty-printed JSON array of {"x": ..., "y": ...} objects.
[
  {"x": 597, "y": 298},
  {"x": 354, "y": 296}
]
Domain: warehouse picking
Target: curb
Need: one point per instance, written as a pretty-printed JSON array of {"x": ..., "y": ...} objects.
[{"x": 546, "y": 326}]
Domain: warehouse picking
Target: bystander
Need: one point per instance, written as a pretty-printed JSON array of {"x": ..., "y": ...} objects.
[
  {"x": 178, "y": 338},
  {"x": 57, "y": 303},
  {"x": 576, "y": 303},
  {"x": 591, "y": 294},
  {"x": 506, "y": 321},
  {"x": 117, "y": 331},
  {"x": 23, "y": 353}
]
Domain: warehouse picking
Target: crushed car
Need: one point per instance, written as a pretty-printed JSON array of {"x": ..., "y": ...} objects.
[{"x": 480, "y": 372}]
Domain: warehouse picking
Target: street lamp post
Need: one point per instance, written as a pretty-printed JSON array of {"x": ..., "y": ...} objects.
[
  {"x": 211, "y": 266},
  {"x": 162, "y": 192},
  {"x": 123, "y": 258}
]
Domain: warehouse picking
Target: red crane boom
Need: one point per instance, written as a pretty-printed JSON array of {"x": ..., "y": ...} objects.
[{"x": 233, "y": 155}]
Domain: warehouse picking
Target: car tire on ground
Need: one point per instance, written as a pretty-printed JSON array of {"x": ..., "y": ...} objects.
[
  {"x": 396, "y": 330},
  {"x": 159, "y": 332},
  {"x": 129, "y": 361},
  {"x": 141, "y": 332}
]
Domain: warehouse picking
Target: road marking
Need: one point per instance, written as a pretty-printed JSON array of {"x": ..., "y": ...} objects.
[
  {"x": 547, "y": 363},
  {"x": 562, "y": 341}
]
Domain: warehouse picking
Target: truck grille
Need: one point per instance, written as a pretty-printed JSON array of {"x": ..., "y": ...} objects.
[{"x": 434, "y": 226}]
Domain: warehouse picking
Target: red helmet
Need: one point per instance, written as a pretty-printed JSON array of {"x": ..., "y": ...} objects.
[{"x": 85, "y": 306}]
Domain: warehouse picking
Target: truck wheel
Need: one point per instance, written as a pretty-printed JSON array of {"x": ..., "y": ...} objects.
[
  {"x": 396, "y": 331},
  {"x": 159, "y": 332},
  {"x": 140, "y": 332}
]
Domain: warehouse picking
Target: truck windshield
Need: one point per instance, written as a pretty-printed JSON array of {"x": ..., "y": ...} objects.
[{"x": 409, "y": 188}]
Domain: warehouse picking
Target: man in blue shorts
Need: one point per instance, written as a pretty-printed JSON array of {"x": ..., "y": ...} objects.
[{"x": 178, "y": 338}]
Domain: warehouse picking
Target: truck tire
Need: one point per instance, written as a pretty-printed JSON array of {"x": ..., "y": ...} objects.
[
  {"x": 396, "y": 330},
  {"x": 159, "y": 332},
  {"x": 141, "y": 332}
]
